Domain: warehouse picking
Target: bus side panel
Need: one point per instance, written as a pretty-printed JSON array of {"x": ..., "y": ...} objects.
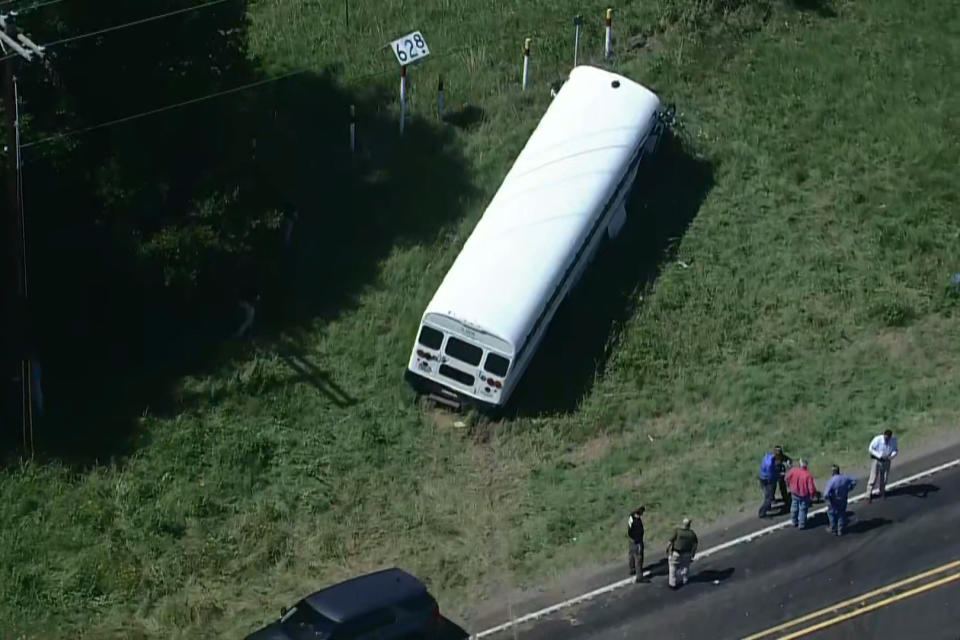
[
  {"x": 520, "y": 368},
  {"x": 620, "y": 201}
]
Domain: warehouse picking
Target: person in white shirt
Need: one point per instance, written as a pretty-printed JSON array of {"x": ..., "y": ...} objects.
[{"x": 883, "y": 449}]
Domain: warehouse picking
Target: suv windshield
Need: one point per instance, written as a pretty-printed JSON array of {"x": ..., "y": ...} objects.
[{"x": 303, "y": 623}]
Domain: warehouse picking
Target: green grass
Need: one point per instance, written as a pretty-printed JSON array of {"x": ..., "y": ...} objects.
[{"x": 814, "y": 310}]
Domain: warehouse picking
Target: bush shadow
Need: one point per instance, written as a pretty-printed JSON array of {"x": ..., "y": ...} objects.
[
  {"x": 663, "y": 203},
  {"x": 115, "y": 338}
]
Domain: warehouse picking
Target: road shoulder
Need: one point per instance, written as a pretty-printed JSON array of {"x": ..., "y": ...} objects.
[{"x": 928, "y": 453}]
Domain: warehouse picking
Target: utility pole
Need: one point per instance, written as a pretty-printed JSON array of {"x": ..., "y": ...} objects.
[
  {"x": 15, "y": 359},
  {"x": 13, "y": 191}
]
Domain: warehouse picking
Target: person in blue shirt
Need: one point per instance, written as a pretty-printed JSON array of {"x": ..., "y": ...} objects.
[
  {"x": 835, "y": 494},
  {"x": 769, "y": 477}
]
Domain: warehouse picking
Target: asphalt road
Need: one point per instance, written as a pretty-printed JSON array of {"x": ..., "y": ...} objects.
[{"x": 770, "y": 583}]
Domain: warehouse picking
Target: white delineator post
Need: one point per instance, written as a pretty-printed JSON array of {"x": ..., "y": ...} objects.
[
  {"x": 440, "y": 97},
  {"x": 526, "y": 63},
  {"x": 353, "y": 129},
  {"x": 577, "y": 21},
  {"x": 608, "y": 44},
  {"x": 403, "y": 96}
]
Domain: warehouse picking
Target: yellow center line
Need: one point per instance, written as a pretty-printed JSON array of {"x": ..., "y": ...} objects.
[
  {"x": 845, "y": 603},
  {"x": 875, "y": 605}
]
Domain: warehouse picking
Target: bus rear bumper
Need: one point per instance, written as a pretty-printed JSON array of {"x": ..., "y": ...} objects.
[{"x": 445, "y": 395}]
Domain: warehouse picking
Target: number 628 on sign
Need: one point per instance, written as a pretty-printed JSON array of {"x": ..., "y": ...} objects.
[{"x": 410, "y": 48}]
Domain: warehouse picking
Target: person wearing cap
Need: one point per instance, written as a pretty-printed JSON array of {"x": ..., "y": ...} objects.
[
  {"x": 883, "y": 449},
  {"x": 680, "y": 553},
  {"x": 835, "y": 493},
  {"x": 802, "y": 489},
  {"x": 635, "y": 546}
]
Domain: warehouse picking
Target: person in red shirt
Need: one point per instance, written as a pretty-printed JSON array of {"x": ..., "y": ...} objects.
[{"x": 802, "y": 489}]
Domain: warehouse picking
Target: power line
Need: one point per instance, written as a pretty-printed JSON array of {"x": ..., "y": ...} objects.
[
  {"x": 117, "y": 27},
  {"x": 143, "y": 114},
  {"x": 244, "y": 87},
  {"x": 125, "y": 25},
  {"x": 31, "y": 7},
  {"x": 177, "y": 105}
]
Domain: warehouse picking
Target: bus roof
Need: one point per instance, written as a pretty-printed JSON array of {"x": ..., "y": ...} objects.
[{"x": 546, "y": 205}]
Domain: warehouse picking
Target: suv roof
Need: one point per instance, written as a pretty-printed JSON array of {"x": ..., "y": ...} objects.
[{"x": 363, "y": 594}]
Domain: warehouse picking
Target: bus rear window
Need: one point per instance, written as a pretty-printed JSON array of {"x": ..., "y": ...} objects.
[
  {"x": 463, "y": 351},
  {"x": 430, "y": 337},
  {"x": 496, "y": 364}
]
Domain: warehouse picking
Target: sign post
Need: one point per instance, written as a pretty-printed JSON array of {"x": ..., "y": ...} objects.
[
  {"x": 353, "y": 129},
  {"x": 577, "y": 21},
  {"x": 608, "y": 44},
  {"x": 439, "y": 97},
  {"x": 526, "y": 63},
  {"x": 408, "y": 49},
  {"x": 403, "y": 97}
]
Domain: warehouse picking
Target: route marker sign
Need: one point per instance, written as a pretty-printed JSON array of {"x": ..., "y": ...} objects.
[{"x": 410, "y": 48}]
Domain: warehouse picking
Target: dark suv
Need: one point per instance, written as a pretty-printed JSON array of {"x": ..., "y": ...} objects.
[{"x": 385, "y": 605}]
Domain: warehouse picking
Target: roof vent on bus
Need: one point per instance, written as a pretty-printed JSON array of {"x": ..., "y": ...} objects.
[{"x": 615, "y": 84}]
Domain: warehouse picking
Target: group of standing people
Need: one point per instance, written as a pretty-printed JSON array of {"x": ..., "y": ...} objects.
[
  {"x": 777, "y": 471},
  {"x": 681, "y": 549}
]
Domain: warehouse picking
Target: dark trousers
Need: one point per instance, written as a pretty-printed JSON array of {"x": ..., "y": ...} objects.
[
  {"x": 784, "y": 494},
  {"x": 635, "y": 557},
  {"x": 768, "y": 486}
]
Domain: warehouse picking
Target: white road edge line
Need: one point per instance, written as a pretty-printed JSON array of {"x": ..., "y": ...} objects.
[{"x": 750, "y": 537}]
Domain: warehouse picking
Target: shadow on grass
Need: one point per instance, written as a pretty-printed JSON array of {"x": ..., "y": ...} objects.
[
  {"x": 465, "y": 117},
  {"x": 114, "y": 340},
  {"x": 317, "y": 378},
  {"x": 822, "y": 8},
  {"x": 665, "y": 199}
]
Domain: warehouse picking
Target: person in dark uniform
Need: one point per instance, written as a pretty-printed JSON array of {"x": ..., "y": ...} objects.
[
  {"x": 680, "y": 553},
  {"x": 784, "y": 463},
  {"x": 635, "y": 547}
]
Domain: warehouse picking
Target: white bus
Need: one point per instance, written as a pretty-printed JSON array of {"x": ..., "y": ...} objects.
[{"x": 566, "y": 191}]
